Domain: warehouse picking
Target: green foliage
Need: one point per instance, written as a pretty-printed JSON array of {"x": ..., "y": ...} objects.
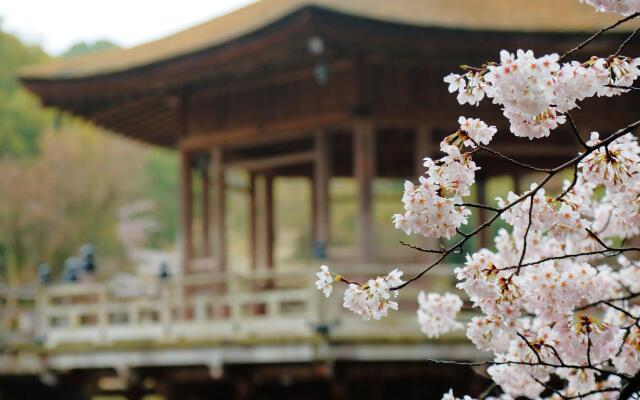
[
  {"x": 83, "y": 48},
  {"x": 15, "y": 55},
  {"x": 63, "y": 180},
  {"x": 21, "y": 118},
  {"x": 21, "y": 121}
]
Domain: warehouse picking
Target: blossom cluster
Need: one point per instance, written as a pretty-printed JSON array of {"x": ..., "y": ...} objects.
[
  {"x": 437, "y": 313},
  {"x": 623, "y": 7},
  {"x": 371, "y": 300},
  {"x": 544, "y": 305},
  {"x": 535, "y": 92},
  {"x": 433, "y": 208},
  {"x": 547, "y": 298},
  {"x": 325, "y": 279},
  {"x": 536, "y": 301}
]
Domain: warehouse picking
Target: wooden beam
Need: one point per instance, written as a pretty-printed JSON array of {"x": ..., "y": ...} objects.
[
  {"x": 364, "y": 171},
  {"x": 186, "y": 214},
  {"x": 218, "y": 214},
  {"x": 264, "y": 134},
  {"x": 269, "y": 163},
  {"x": 321, "y": 176}
]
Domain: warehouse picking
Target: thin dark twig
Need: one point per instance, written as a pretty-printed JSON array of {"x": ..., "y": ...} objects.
[
  {"x": 575, "y": 130},
  {"x": 482, "y": 206},
  {"x": 589, "y": 345},
  {"x": 526, "y": 234},
  {"x": 528, "y": 364},
  {"x": 555, "y": 352},
  {"x": 597, "y": 239},
  {"x": 574, "y": 180},
  {"x": 625, "y": 43},
  {"x": 623, "y": 87},
  {"x": 596, "y": 35},
  {"x": 521, "y": 336},
  {"x": 413, "y": 246},
  {"x": 547, "y": 386},
  {"x": 566, "y": 256},
  {"x": 624, "y": 298},
  {"x": 622, "y": 310},
  {"x": 511, "y": 160}
]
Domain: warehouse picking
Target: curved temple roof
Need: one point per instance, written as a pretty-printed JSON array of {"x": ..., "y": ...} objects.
[{"x": 496, "y": 15}]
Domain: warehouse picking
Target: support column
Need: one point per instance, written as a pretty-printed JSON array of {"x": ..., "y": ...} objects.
[
  {"x": 364, "y": 171},
  {"x": 186, "y": 213},
  {"x": 206, "y": 240},
  {"x": 253, "y": 223},
  {"x": 519, "y": 185},
  {"x": 269, "y": 232},
  {"x": 218, "y": 214},
  {"x": 423, "y": 139},
  {"x": 321, "y": 175}
]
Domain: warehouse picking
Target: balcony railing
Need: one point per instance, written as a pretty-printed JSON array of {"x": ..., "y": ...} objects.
[{"x": 207, "y": 308}]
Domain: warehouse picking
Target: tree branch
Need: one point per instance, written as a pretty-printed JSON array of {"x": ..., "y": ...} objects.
[{"x": 596, "y": 35}]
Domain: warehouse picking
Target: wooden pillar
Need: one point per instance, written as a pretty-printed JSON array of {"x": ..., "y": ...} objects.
[
  {"x": 321, "y": 176},
  {"x": 269, "y": 231},
  {"x": 519, "y": 184},
  {"x": 364, "y": 171},
  {"x": 253, "y": 223},
  {"x": 218, "y": 212},
  {"x": 186, "y": 214},
  {"x": 206, "y": 244},
  {"x": 422, "y": 149}
]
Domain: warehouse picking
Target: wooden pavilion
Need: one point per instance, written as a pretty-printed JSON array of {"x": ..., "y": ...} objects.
[{"x": 317, "y": 89}]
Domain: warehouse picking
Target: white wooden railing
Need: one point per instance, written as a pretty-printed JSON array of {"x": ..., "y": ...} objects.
[{"x": 207, "y": 307}]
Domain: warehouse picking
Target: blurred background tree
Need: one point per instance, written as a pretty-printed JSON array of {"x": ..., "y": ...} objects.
[{"x": 62, "y": 180}]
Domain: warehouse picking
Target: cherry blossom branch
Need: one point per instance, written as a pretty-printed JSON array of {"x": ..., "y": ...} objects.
[
  {"x": 624, "y": 87},
  {"x": 509, "y": 159},
  {"x": 528, "y": 364},
  {"x": 526, "y": 234},
  {"x": 631, "y": 388},
  {"x": 575, "y": 130},
  {"x": 574, "y": 180},
  {"x": 535, "y": 352},
  {"x": 624, "y": 44},
  {"x": 624, "y": 298},
  {"x": 413, "y": 246},
  {"x": 596, "y": 35},
  {"x": 482, "y": 206},
  {"x": 550, "y": 174}
]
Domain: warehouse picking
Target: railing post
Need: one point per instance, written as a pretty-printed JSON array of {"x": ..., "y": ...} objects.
[
  {"x": 165, "y": 313},
  {"x": 199, "y": 312},
  {"x": 235, "y": 304},
  {"x": 103, "y": 313},
  {"x": 42, "y": 319},
  {"x": 133, "y": 314}
]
